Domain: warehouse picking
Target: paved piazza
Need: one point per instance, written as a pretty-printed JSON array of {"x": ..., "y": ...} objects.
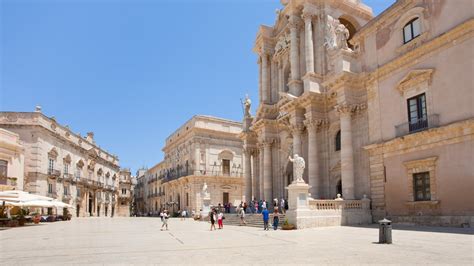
[{"x": 139, "y": 240}]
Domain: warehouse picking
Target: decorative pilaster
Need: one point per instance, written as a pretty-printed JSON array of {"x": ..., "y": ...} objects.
[
  {"x": 248, "y": 175},
  {"x": 256, "y": 174},
  {"x": 281, "y": 77},
  {"x": 309, "y": 47},
  {"x": 267, "y": 171},
  {"x": 347, "y": 154},
  {"x": 265, "y": 78},
  {"x": 295, "y": 82}
]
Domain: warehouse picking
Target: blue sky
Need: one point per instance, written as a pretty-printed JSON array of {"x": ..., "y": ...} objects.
[{"x": 131, "y": 71}]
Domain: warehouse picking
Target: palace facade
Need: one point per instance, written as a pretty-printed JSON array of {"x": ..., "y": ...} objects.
[
  {"x": 66, "y": 166},
  {"x": 204, "y": 150},
  {"x": 377, "y": 106}
]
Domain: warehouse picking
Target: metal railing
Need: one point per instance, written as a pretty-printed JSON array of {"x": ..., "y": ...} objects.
[
  {"x": 417, "y": 126},
  {"x": 54, "y": 173}
]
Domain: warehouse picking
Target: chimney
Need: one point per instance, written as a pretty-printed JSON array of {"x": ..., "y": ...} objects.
[
  {"x": 38, "y": 109},
  {"x": 90, "y": 137}
]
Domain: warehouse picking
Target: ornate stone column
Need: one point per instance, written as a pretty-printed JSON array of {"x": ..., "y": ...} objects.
[
  {"x": 309, "y": 48},
  {"x": 313, "y": 160},
  {"x": 265, "y": 78},
  {"x": 261, "y": 168},
  {"x": 295, "y": 82},
  {"x": 281, "y": 77},
  {"x": 347, "y": 154},
  {"x": 267, "y": 171},
  {"x": 256, "y": 175},
  {"x": 248, "y": 175}
]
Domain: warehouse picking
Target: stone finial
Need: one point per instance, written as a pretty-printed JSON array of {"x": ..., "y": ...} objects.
[
  {"x": 38, "y": 109},
  {"x": 338, "y": 197}
]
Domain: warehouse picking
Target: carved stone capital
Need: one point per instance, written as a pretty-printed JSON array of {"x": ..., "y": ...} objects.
[
  {"x": 294, "y": 22},
  {"x": 314, "y": 123},
  {"x": 297, "y": 129},
  {"x": 348, "y": 109}
]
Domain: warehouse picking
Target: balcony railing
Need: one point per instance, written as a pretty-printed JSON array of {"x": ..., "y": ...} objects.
[
  {"x": 416, "y": 126},
  {"x": 53, "y": 173},
  {"x": 67, "y": 177}
]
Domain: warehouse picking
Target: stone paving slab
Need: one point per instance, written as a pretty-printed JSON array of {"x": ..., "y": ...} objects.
[{"x": 140, "y": 241}]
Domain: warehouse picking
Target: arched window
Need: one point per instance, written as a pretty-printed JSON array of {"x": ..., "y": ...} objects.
[
  {"x": 338, "y": 141},
  {"x": 411, "y": 30}
]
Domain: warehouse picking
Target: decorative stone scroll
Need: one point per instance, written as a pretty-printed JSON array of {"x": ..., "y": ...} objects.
[{"x": 282, "y": 44}]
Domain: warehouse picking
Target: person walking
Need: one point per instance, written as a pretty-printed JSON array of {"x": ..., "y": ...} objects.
[
  {"x": 282, "y": 205},
  {"x": 265, "y": 215},
  {"x": 220, "y": 218},
  {"x": 276, "y": 219},
  {"x": 264, "y": 205},
  {"x": 256, "y": 206},
  {"x": 212, "y": 218},
  {"x": 165, "y": 220},
  {"x": 242, "y": 216}
]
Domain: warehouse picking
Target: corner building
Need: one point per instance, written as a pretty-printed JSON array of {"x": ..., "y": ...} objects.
[
  {"x": 377, "y": 106},
  {"x": 66, "y": 166},
  {"x": 204, "y": 150}
]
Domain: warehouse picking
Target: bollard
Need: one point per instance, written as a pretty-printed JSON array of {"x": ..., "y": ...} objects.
[{"x": 385, "y": 231}]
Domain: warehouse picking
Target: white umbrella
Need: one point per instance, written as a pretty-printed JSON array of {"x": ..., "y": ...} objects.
[
  {"x": 21, "y": 196},
  {"x": 35, "y": 203},
  {"x": 60, "y": 204}
]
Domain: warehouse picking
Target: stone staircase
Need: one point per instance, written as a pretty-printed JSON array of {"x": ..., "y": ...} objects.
[{"x": 253, "y": 220}]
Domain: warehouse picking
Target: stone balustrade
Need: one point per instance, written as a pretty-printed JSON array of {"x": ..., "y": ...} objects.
[{"x": 363, "y": 204}]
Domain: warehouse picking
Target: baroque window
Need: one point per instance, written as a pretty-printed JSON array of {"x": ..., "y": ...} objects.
[
  {"x": 411, "y": 30},
  {"x": 421, "y": 186},
  {"x": 417, "y": 113}
]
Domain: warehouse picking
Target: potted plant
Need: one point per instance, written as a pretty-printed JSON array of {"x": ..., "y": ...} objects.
[
  {"x": 21, "y": 217},
  {"x": 287, "y": 226}
]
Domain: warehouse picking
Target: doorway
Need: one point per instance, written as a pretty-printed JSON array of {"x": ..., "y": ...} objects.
[
  {"x": 91, "y": 204},
  {"x": 225, "y": 197}
]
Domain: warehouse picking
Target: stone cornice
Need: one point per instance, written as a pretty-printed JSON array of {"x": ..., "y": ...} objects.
[
  {"x": 427, "y": 139},
  {"x": 262, "y": 123},
  {"x": 37, "y": 119},
  {"x": 309, "y": 98},
  {"x": 345, "y": 79}
]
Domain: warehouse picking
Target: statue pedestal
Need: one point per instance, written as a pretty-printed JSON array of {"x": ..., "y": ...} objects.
[
  {"x": 298, "y": 202},
  {"x": 206, "y": 206}
]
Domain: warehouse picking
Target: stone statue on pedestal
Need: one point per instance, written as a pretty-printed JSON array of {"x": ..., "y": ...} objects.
[{"x": 299, "y": 165}]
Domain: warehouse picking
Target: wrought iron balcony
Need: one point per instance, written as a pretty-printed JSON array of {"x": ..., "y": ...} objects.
[
  {"x": 53, "y": 173},
  {"x": 416, "y": 126}
]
